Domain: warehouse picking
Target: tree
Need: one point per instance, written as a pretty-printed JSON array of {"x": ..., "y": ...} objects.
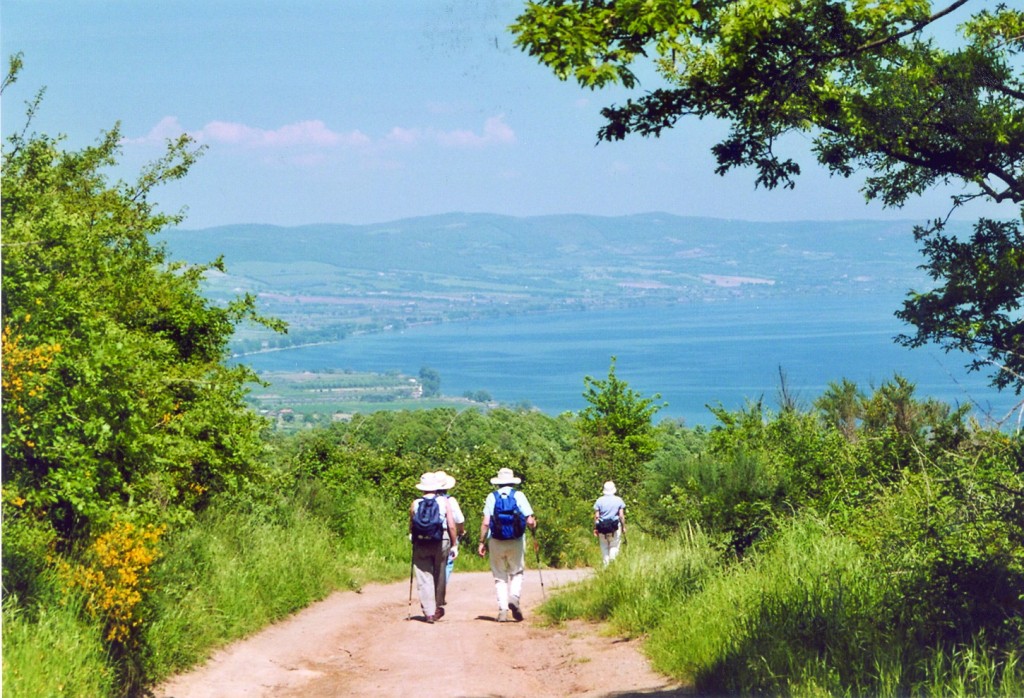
[
  {"x": 618, "y": 436},
  {"x": 117, "y": 398},
  {"x": 841, "y": 407},
  {"x": 976, "y": 307},
  {"x": 869, "y": 82},
  {"x": 430, "y": 379}
]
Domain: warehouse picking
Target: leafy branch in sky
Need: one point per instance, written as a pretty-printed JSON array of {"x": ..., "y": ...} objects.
[{"x": 870, "y": 82}]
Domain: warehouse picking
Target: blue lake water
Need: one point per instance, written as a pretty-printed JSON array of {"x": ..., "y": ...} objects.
[{"x": 695, "y": 354}]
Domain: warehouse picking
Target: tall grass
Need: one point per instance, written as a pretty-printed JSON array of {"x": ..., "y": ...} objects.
[
  {"x": 796, "y": 617},
  {"x": 645, "y": 580},
  {"x": 808, "y": 615},
  {"x": 238, "y": 570},
  {"x": 54, "y": 653},
  {"x": 240, "y": 565},
  {"x": 972, "y": 670}
]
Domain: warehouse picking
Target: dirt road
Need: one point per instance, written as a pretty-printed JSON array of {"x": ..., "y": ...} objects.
[{"x": 364, "y": 644}]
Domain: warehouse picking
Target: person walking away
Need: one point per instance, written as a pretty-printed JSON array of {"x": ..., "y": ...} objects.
[
  {"x": 507, "y": 515},
  {"x": 430, "y": 520},
  {"x": 451, "y": 549},
  {"x": 609, "y": 522}
]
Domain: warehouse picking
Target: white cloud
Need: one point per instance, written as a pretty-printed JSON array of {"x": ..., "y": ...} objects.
[
  {"x": 167, "y": 127},
  {"x": 403, "y": 136},
  {"x": 314, "y": 134},
  {"x": 495, "y": 131},
  {"x": 302, "y": 133}
]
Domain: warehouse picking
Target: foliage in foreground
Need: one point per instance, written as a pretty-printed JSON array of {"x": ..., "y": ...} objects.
[
  {"x": 773, "y": 553},
  {"x": 802, "y": 561},
  {"x": 122, "y": 419}
]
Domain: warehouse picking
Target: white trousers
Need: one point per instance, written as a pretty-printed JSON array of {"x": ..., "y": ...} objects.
[
  {"x": 610, "y": 543},
  {"x": 508, "y": 562}
]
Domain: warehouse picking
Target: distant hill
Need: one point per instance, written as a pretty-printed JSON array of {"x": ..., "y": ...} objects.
[{"x": 335, "y": 279}]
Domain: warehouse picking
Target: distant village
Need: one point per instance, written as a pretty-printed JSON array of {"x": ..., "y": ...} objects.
[{"x": 298, "y": 400}]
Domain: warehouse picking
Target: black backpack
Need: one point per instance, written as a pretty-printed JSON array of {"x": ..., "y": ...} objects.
[
  {"x": 507, "y": 521},
  {"x": 427, "y": 524},
  {"x": 607, "y": 525}
]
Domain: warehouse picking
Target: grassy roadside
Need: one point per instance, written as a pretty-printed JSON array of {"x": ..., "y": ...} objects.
[
  {"x": 809, "y": 615},
  {"x": 239, "y": 567}
]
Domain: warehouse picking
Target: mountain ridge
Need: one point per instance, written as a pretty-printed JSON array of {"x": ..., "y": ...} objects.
[{"x": 465, "y": 265}]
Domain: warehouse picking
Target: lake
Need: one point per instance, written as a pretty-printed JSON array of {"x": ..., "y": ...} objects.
[{"x": 695, "y": 354}]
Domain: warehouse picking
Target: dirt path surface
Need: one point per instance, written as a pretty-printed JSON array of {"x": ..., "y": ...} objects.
[{"x": 364, "y": 644}]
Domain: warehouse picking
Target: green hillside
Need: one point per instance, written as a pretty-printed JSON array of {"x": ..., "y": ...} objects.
[{"x": 327, "y": 281}]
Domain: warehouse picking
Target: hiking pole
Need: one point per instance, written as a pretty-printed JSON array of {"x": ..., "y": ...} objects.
[
  {"x": 536, "y": 548},
  {"x": 412, "y": 565}
]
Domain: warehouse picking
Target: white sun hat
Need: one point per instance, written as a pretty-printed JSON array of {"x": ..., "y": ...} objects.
[
  {"x": 505, "y": 476},
  {"x": 447, "y": 481},
  {"x": 430, "y": 482}
]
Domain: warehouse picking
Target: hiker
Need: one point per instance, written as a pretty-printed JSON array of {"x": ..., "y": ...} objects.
[
  {"x": 430, "y": 521},
  {"x": 609, "y": 522},
  {"x": 451, "y": 549},
  {"x": 507, "y": 515}
]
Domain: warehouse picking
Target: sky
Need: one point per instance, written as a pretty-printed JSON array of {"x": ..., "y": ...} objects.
[{"x": 366, "y": 111}]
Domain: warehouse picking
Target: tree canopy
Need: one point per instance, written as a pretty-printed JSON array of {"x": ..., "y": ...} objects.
[
  {"x": 616, "y": 428},
  {"x": 883, "y": 87},
  {"x": 117, "y": 397},
  {"x": 868, "y": 80}
]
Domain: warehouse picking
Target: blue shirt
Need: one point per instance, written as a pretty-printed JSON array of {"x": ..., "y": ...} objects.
[{"x": 608, "y": 505}]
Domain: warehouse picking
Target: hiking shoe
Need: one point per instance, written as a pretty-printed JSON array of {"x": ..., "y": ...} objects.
[
  {"x": 440, "y": 613},
  {"x": 430, "y": 619},
  {"x": 502, "y": 616},
  {"x": 513, "y": 605}
]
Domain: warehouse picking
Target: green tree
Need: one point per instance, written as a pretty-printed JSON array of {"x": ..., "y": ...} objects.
[
  {"x": 869, "y": 82},
  {"x": 841, "y": 407},
  {"x": 117, "y": 399},
  {"x": 618, "y": 437},
  {"x": 976, "y": 306},
  {"x": 430, "y": 379}
]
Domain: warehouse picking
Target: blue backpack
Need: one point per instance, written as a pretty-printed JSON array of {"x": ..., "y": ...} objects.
[
  {"x": 427, "y": 524},
  {"x": 507, "y": 521}
]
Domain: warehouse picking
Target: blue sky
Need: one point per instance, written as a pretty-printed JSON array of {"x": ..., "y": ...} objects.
[{"x": 361, "y": 112}]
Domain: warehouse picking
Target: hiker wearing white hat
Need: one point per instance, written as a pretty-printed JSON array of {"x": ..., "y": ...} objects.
[
  {"x": 609, "y": 522},
  {"x": 430, "y": 523},
  {"x": 507, "y": 515},
  {"x": 451, "y": 547}
]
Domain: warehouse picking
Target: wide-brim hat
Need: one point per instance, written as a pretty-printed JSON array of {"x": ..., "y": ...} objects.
[
  {"x": 447, "y": 481},
  {"x": 609, "y": 487},
  {"x": 430, "y": 482},
  {"x": 505, "y": 476}
]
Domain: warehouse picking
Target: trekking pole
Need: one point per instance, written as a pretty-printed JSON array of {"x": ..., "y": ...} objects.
[
  {"x": 536, "y": 548},
  {"x": 412, "y": 565}
]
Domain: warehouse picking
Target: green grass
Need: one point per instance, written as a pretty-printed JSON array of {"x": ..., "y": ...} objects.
[
  {"x": 809, "y": 615},
  {"x": 238, "y": 570},
  {"x": 240, "y": 566},
  {"x": 53, "y": 654},
  {"x": 639, "y": 587}
]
